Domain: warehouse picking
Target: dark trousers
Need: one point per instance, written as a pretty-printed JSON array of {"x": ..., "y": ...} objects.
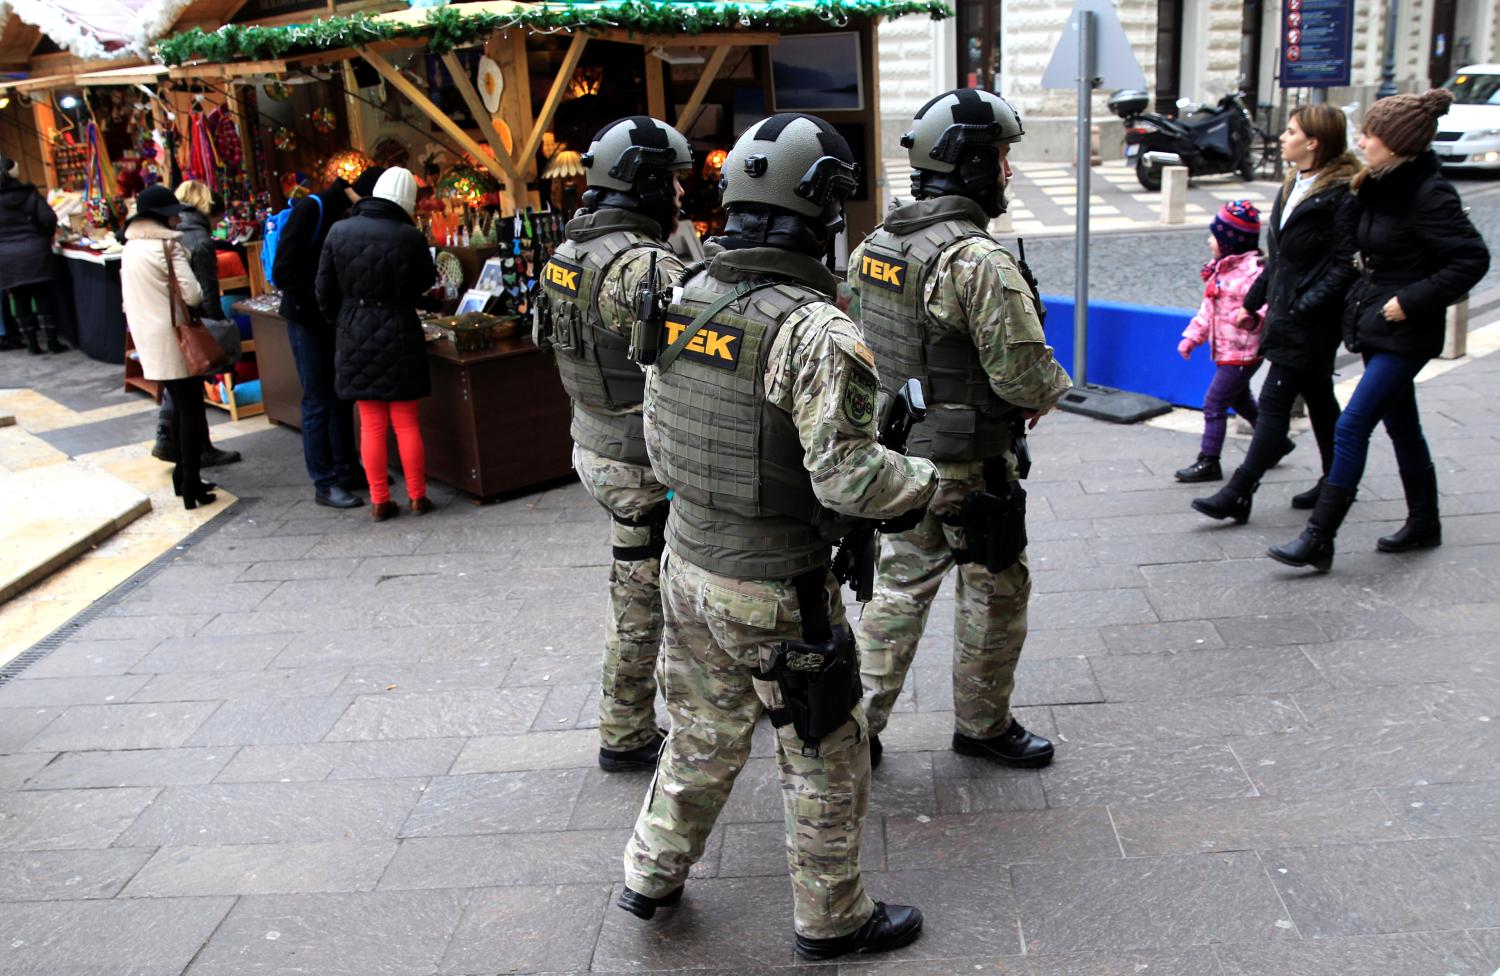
[
  {"x": 327, "y": 421},
  {"x": 189, "y": 430},
  {"x": 1386, "y": 394},
  {"x": 1277, "y": 395},
  {"x": 34, "y": 299},
  {"x": 1230, "y": 388}
]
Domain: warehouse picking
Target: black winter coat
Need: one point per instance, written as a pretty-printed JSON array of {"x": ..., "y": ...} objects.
[
  {"x": 198, "y": 240},
  {"x": 374, "y": 270},
  {"x": 1309, "y": 268},
  {"x": 26, "y": 228},
  {"x": 1416, "y": 244},
  {"x": 297, "y": 254}
]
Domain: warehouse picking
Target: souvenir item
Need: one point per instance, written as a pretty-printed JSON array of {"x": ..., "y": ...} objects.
[
  {"x": 490, "y": 84},
  {"x": 278, "y": 91},
  {"x": 323, "y": 119},
  {"x": 285, "y": 139}
]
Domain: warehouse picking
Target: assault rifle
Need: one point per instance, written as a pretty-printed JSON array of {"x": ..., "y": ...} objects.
[{"x": 854, "y": 559}]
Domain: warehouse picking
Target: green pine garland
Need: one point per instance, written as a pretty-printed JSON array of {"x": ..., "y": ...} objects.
[{"x": 450, "y": 27}]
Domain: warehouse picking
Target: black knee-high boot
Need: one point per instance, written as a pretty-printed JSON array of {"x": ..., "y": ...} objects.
[
  {"x": 1422, "y": 530},
  {"x": 1314, "y": 547},
  {"x": 49, "y": 330},
  {"x": 28, "y": 331}
]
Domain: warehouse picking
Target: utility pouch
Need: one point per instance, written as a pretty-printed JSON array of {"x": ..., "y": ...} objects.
[{"x": 541, "y": 320}]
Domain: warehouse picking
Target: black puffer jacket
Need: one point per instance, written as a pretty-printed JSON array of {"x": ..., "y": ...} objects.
[
  {"x": 1309, "y": 268},
  {"x": 296, "y": 267},
  {"x": 198, "y": 240},
  {"x": 374, "y": 269},
  {"x": 1416, "y": 244},
  {"x": 26, "y": 228}
]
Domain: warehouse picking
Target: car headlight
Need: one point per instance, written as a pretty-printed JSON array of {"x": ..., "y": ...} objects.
[{"x": 1479, "y": 134}]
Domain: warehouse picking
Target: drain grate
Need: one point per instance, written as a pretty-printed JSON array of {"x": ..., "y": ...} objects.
[{"x": 83, "y": 618}]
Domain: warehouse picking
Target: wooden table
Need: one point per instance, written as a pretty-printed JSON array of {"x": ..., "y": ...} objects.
[{"x": 497, "y": 420}]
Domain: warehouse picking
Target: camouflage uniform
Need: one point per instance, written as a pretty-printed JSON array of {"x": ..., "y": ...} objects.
[
  {"x": 974, "y": 290},
  {"x": 628, "y": 491},
  {"x": 719, "y": 629}
]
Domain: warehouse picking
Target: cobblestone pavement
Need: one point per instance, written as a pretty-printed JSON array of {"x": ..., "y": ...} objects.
[{"x": 310, "y": 743}]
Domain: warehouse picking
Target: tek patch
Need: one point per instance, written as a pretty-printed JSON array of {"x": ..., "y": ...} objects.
[
  {"x": 561, "y": 276},
  {"x": 714, "y": 345},
  {"x": 887, "y": 273}
]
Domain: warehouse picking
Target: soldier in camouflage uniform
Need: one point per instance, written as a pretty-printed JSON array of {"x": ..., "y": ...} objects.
[
  {"x": 942, "y": 300},
  {"x": 589, "y": 309},
  {"x": 760, "y": 415}
]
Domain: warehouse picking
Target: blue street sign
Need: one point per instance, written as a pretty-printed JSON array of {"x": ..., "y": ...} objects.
[{"x": 1316, "y": 41}]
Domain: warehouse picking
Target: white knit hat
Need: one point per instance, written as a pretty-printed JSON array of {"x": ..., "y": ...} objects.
[{"x": 398, "y": 186}]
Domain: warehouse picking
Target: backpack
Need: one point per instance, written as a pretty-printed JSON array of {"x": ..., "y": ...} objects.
[{"x": 274, "y": 225}]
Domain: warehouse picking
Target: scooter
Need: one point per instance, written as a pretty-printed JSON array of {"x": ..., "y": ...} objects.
[{"x": 1206, "y": 141}]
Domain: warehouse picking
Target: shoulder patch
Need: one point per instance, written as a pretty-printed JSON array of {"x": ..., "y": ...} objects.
[
  {"x": 859, "y": 398},
  {"x": 561, "y": 276},
  {"x": 863, "y": 352},
  {"x": 883, "y": 271}
]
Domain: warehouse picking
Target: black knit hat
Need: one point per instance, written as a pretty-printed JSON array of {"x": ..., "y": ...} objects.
[
  {"x": 1407, "y": 123},
  {"x": 158, "y": 203},
  {"x": 364, "y": 185}
]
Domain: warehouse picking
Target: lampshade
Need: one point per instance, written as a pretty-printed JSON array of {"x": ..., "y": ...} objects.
[
  {"x": 465, "y": 184},
  {"x": 563, "y": 165}
]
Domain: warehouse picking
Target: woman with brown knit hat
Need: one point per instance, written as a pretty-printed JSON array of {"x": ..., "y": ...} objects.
[{"x": 1417, "y": 254}]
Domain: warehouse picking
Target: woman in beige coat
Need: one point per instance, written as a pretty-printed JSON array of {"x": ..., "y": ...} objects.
[{"x": 150, "y": 245}]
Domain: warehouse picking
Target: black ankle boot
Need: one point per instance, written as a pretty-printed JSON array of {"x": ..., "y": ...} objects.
[
  {"x": 1307, "y": 499},
  {"x": 28, "y": 331},
  {"x": 1287, "y": 447},
  {"x": 49, "y": 329},
  {"x": 1206, "y": 468},
  {"x": 890, "y": 927},
  {"x": 1314, "y": 547},
  {"x": 644, "y": 906},
  {"x": 1230, "y": 502},
  {"x": 1423, "y": 529}
]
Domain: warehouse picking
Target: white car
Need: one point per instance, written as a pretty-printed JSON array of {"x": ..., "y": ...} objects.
[{"x": 1469, "y": 135}]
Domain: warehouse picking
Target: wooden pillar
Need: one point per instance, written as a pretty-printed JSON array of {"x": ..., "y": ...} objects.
[
  {"x": 656, "y": 94},
  {"x": 45, "y": 123},
  {"x": 508, "y": 50}
]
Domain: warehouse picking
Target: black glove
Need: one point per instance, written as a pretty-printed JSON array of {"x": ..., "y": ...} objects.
[{"x": 904, "y": 522}]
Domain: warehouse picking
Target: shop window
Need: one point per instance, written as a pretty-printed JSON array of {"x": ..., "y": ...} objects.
[{"x": 979, "y": 44}]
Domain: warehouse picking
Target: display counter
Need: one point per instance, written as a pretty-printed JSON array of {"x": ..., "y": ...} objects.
[
  {"x": 497, "y": 419},
  {"x": 99, "y": 311}
]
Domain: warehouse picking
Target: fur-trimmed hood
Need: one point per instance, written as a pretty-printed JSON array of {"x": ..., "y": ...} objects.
[{"x": 146, "y": 229}]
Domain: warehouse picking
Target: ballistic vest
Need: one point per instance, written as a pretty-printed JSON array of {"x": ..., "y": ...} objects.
[
  {"x": 742, "y": 503},
  {"x": 592, "y": 359},
  {"x": 895, "y": 266}
]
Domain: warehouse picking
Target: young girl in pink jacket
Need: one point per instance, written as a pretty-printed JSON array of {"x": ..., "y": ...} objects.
[{"x": 1234, "y": 239}]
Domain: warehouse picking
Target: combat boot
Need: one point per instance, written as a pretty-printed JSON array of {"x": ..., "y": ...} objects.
[
  {"x": 1314, "y": 547},
  {"x": 628, "y": 760},
  {"x": 28, "y": 331},
  {"x": 1013, "y": 747},
  {"x": 644, "y": 906},
  {"x": 1422, "y": 530},
  {"x": 49, "y": 329},
  {"x": 889, "y": 927},
  {"x": 1231, "y": 501},
  {"x": 1206, "y": 468}
]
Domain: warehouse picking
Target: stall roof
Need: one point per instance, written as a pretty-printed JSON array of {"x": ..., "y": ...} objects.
[
  {"x": 37, "y": 84},
  {"x": 460, "y": 24},
  {"x": 141, "y": 74}
]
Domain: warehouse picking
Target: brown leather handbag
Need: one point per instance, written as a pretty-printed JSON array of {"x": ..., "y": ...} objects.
[{"x": 200, "y": 350}]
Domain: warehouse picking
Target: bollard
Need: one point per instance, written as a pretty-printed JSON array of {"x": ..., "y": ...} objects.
[
  {"x": 1456, "y": 331},
  {"x": 1174, "y": 184}
]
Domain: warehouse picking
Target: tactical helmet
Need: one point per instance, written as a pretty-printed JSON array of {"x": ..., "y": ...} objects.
[
  {"x": 793, "y": 163},
  {"x": 954, "y": 146},
  {"x": 630, "y": 164}
]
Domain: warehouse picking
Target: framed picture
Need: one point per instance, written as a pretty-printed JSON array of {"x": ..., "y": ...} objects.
[
  {"x": 474, "y": 301},
  {"x": 818, "y": 73},
  {"x": 490, "y": 277}
]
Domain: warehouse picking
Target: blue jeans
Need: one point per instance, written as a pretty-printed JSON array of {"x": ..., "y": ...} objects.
[
  {"x": 327, "y": 421},
  {"x": 1385, "y": 393}
]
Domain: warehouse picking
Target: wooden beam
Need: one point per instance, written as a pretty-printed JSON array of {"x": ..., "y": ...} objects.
[
  {"x": 335, "y": 55},
  {"x": 656, "y": 94},
  {"x": 554, "y": 98},
  {"x": 725, "y": 39},
  {"x": 482, "y": 117},
  {"x": 700, "y": 90},
  {"x": 419, "y": 98},
  {"x": 233, "y": 69}
]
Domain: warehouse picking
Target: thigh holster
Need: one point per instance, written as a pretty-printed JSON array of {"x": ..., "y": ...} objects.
[
  {"x": 656, "y": 521},
  {"x": 818, "y": 676}
]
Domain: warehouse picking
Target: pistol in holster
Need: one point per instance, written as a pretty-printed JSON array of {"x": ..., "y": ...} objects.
[
  {"x": 818, "y": 676},
  {"x": 650, "y": 316},
  {"x": 994, "y": 520}
]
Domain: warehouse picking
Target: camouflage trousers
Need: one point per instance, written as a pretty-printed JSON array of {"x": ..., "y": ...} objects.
[
  {"x": 719, "y": 630},
  {"x": 989, "y": 623},
  {"x": 627, "y": 702}
]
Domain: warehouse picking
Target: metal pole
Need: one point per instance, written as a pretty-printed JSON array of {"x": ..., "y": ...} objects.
[
  {"x": 1085, "y": 155},
  {"x": 1388, "y": 74}
]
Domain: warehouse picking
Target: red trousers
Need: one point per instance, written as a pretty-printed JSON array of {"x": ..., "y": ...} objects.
[{"x": 376, "y": 418}]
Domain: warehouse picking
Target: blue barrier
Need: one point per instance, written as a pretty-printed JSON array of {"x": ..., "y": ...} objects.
[{"x": 1133, "y": 347}]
